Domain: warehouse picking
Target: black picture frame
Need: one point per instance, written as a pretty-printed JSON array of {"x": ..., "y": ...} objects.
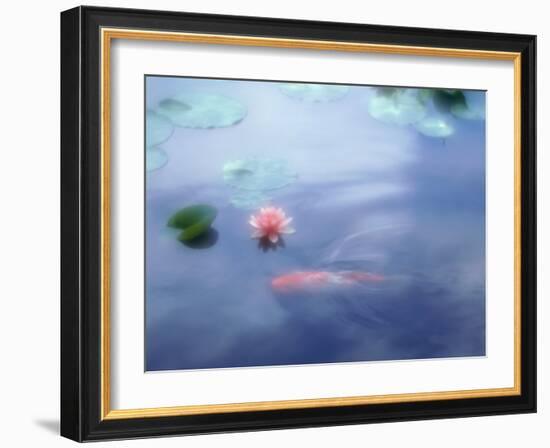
[{"x": 81, "y": 224}]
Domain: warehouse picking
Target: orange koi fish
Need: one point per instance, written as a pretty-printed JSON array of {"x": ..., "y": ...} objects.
[{"x": 298, "y": 281}]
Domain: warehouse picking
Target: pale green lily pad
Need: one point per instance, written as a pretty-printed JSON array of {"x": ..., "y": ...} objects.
[
  {"x": 194, "y": 221},
  {"x": 155, "y": 158},
  {"x": 202, "y": 111},
  {"x": 253, "y": 178},
  {"x": 425, "y": 95},
  {"x": 171, "y": 106},
  {"x": 158, "y": 129},
  {"x": 473, "y": 108},
  {"x": 249, "y": 200},
  {"x": 435, "y": 127},
  {"x": 314, "y": 92},
  {"x": 397, "y": 106},
  {"x": 258, "y": 174},
  {"x": 388, "y": 91}
]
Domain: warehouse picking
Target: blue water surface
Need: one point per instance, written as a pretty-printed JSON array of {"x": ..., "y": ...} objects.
[{"x": 369, "y": 196}]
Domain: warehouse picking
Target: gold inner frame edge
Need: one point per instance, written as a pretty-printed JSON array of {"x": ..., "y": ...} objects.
[{"x": 107, "y": 35}]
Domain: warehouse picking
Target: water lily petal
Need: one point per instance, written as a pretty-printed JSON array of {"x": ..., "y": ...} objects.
[
  {"x": 258, "y": 234},
  {"x": 287, "y": 221}
]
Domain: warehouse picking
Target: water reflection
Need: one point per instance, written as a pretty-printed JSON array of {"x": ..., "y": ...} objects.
[
  {"x": 266, "y": 246},
  {"x": 204, "y": 241}
]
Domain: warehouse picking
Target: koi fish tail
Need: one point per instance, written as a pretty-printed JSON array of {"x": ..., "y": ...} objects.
[{"x": 363, "y": 277}]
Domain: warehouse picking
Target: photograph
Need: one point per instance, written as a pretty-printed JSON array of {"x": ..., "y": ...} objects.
[
  {"x": 293, "y": 223},
  {"x": 274, "y": 223}
]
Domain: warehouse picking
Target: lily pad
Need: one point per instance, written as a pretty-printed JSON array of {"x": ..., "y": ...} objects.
[
  {"x": 155, "y": 158},
  {"x": 387, "y": 91},
  {"x": 258, "y": 174},
  {"x": 314, "y": 92},
  {"x": 397, "y": 106},
  {"x": 425, "y": 95},
  {"x": 445, "y": 99},
  {"x": 254, "y": 178},
  {"x": 158, "y": 129},
  {"x": 435, "y": 127},
  {"x": 202, "y": 111},
  {"x": 173, "y": 106},
  {"x": 473, "y": 107},
  {"x": 249, "y": 200},
  {"x": 194, "y": 221}
]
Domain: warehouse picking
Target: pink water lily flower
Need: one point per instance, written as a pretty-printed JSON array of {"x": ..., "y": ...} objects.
[{"x": 270, "y": 223}]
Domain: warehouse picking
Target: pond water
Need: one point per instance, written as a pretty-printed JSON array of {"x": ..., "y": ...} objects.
[{"x": 369, "y": 191}]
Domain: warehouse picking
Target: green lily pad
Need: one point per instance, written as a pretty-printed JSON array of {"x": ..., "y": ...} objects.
[
  {"x": 258, "y": 174},
  {"x": 435, "y": 127},
  {"x": 194, "y": 221},
  {"x": 155, "y": 158},
  {"x": 445, "y": 99},
  {"x": 314, "y": 92},
  {"x": 202, "y": 111},
  {"x": 473, "y": 107},
  {"x": 158, "y": 129},
  {"x": 397, "y": 106}
]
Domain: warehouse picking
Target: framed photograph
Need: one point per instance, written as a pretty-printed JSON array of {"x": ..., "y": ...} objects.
[{"x": 274, "y": 223}]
